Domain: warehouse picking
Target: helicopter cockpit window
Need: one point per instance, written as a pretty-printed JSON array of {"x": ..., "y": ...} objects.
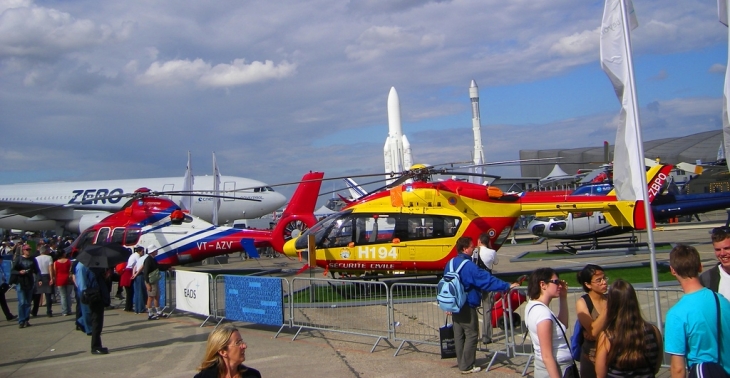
[
  {"x": 502, "y": 236},
  {"x": 117, "y": 235},
  {"x": 132, "y": 236},
  {"x": 102, "y": 235},
  {"x": 86, "y": 239},
  {"x": 557, "y": 226}
]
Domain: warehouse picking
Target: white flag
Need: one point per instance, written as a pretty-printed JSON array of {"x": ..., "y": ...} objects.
[
  {"x": 628, "y": 167},
  {"x": 187, "y": 201},
  {"x": 722, "y": 13},
  {"x": 216, "y": 190}
]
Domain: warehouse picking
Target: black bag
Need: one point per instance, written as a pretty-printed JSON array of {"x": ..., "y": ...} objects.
[
  {"x": 571, "y": 371},
  {"x": 91, "y": 295},
  {"x": 4, "y": 287},
  {"x": 13, "y": 279},
  {"x": 446, "y": 336}
]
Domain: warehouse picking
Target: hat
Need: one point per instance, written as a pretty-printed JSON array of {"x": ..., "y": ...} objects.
[
  {"x": 139, "y": 248},
  {"x": 151, "y": 249}
]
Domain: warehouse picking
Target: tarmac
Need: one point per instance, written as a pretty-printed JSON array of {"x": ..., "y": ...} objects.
[{"x": 173, "y": 347}]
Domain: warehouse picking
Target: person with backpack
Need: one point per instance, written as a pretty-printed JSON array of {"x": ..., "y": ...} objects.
[
  {"x": 460, "y": 295},
  {"x": 588, "y": 307}
]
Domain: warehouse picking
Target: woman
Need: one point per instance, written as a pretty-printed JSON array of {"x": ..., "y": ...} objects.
[
  {"x": 552, "y": 355},
  {"x": 25, "y": 267},
  {"x": 629, "y": 346},
  {"x": 61, "y": 275},
  {"x": 224, "y": 356},
  {"x": 594, "y": 282}
]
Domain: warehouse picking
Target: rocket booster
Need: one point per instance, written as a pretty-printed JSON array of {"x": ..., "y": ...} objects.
[
  {"x": 477, "y": 128},
  {"x": 397, "y": 149}
]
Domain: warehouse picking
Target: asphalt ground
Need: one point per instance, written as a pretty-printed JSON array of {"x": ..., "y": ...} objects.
[{"x": 173, "y": 347}]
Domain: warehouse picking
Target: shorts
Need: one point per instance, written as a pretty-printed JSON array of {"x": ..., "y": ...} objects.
[{"x": 154, "y": 290}]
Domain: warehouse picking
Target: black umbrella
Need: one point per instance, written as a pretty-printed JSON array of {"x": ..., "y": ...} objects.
[{"x": 103, "y": 255}]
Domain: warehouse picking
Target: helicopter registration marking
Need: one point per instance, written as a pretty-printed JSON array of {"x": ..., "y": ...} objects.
[
  {"x": 382, "y": 253},
  {"x": 217, "y": 245}
]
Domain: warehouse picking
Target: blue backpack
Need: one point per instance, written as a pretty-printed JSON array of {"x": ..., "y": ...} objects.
[
  {"x": 451, "y": 296},
  {"x": 576, "y": 341}
]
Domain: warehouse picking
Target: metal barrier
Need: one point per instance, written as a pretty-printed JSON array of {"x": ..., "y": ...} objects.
[
  {"x": 415, "y": 316},
  {"x": 352, "y": 307},
  {"x": 197, "y": 294}
]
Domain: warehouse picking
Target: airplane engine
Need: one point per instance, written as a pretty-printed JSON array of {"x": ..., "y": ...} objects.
[{"x": 85, "y": 221}]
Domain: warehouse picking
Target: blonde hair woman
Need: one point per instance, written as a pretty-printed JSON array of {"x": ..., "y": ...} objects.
[{"x": 224, "y": 356}]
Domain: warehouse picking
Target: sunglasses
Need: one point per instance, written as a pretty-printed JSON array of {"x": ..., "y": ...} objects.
[{"x": 557, "y": 282}]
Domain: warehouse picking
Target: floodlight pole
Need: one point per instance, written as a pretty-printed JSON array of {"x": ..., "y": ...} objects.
[{"x": 640, "y": 145}]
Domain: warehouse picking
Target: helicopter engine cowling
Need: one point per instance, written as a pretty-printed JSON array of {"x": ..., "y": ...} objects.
[{"x": 85, "y": 221}]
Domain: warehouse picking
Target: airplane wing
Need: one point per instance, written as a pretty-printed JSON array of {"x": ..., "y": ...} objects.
[{"x": 35, "y": 210}]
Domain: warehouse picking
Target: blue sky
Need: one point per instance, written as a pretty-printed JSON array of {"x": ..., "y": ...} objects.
[{"x": 99, "y": 90}]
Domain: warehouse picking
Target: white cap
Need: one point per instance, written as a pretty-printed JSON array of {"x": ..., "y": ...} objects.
[{"x": 151, "y": 248}]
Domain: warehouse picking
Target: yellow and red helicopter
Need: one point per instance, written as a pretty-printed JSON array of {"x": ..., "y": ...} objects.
[
  {"x": 412, "y": 228},
  {"x": 145, "y": 220}
]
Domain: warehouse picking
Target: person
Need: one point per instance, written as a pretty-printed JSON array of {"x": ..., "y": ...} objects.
[
  {"x": 4, "y": 286},
  {"x": 94, "y": 278},
  {"x": 153, "y": 288},
  {"x": 486, "y": 258},
  {"x": 127, "y": 281},
  {"x": 25, "y": 267},
  {"x": 552, "y": 355},
  {"x": 466, "y": 322},
  {"x": 45, "y": 286},
  {"x": 690, "y": 335},
  {"x": 62, "y": 278},
  {"x": 629, "y": 346},
  {"x": 140, "y": 294},
  {"x": 717, "y": 278},
  {"x": 83, "y": 311},
  {"x": 225, "y": 353},
  {"x": 177, "y": 216},
  {"x": 588, "y": 307}
]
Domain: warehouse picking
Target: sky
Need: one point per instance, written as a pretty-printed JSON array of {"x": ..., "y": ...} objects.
[{"x": 111, "y": 90}]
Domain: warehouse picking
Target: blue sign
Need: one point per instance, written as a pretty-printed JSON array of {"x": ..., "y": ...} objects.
[{"x": 254, "y": 300}]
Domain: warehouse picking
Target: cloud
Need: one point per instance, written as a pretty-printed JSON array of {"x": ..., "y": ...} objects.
[
  {"x": 30, "y": 31},
  {"x": 237, "y": 73},
  {"x": 717, "y": 68},
  {"x": 577, "y": 44},
  {"x": 661, "y": 75},
  {"x": 378, "y": 41}
]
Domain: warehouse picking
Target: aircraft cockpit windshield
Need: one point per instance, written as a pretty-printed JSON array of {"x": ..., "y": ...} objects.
[
  {"x": 342, "y": 229},
  {"x": 263, "y": 189}
]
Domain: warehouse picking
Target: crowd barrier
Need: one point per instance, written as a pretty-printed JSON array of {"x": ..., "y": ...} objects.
[{"x": 402, "y": 313}]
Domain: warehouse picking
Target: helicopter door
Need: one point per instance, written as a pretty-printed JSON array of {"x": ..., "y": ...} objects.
[
  {"x": 102, "y": 235},
  {"x": 228, "y": 187}
]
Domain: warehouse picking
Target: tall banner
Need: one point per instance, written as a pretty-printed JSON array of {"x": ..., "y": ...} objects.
[
  {"x": 615, "y": 52},
  {"x": 722, "y": 13},
  {"x": 216, "y": 190},
  {"x": 192, "y": 292},
  {"x": 187, "y": 201}
]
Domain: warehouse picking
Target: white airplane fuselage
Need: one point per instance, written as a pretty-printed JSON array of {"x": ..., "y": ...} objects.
[{"x": 73, "y": 205}]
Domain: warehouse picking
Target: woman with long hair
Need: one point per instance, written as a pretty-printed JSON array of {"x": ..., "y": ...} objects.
[
  {"x": 552, "y": 356},
  {"x": 588, "y": 307},
  {"x": 629, "y": 346},
  {"x": 224, "y": 356}
]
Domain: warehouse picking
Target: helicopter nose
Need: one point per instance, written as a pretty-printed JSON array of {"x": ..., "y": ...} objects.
[{"x": 538, "y": 229}]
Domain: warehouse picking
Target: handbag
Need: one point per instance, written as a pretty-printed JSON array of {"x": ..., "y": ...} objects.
[
  {"x": 711, "y": 369},
  {"x": 90, "y": 296},
  {"x": 446, "y": 338},
  {"x": 154, "y": 276}
]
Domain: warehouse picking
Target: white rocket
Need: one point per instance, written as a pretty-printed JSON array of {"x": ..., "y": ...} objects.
[
  {"x": 397, "y": 150},
  {"x": 477, "y": 128}
]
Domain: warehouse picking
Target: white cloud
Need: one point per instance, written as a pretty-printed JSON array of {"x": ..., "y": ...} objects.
[
  {"x": 221, "y": 75},
  {"x": 584, "y": 42},
  {"x": 378, "y": 41},
  {"x": 718, "y": 68}
]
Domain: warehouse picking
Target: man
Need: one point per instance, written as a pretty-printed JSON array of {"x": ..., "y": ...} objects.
[
  {"x": 140, "y": 294},
  {"x": 4, "y": 286},
  {"x": 466, "y": 322},
  {"x": 94, "y": 279},
  {"x": 153, "y": 288},
  {"x": 717, "y": 278},
  {"x": 25, "y": 267},
  {"x": 690, "y": 336},
  {"x": 486, "y": 258},
  {"x": 45, "y": 284},
  {"x": 126, "y": 279}
]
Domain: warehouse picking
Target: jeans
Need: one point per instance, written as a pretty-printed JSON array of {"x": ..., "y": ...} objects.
[
  {"x": 85, "y": 319},
  {"x": 25, "y": 296},
  {"x": 65, "y": 294},
  {"x": 139, "y": 293}
]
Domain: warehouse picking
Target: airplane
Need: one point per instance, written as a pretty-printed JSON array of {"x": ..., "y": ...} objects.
[
  {"x": 664, "y": 206},
  {"x": 413, "y": 227},
  {"x": 75, "y": 206},
  {"x": 144, "y": 220}
]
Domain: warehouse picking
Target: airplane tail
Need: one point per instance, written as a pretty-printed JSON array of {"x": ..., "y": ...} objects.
[
  {"x": 355, "y": 190},
  {"x": 656, "y": 176},
  {"x": 299, "y": 213}
]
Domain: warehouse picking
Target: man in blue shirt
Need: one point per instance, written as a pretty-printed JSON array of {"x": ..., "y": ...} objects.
[
  {"x": 466, "y": 322},
  {"x": 691, "y": 334}
]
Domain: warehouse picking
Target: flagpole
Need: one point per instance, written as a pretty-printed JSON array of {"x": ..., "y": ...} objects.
[{"x": 640, "y": 151}]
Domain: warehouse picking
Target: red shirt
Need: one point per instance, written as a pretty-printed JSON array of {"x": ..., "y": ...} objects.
[{"x": 63, "y": 270}]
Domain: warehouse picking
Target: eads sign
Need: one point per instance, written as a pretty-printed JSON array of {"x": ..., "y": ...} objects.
[{"x": 192, "y": 291}]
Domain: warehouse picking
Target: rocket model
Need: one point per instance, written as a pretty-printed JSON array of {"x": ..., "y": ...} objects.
[
  {"x": 477, "y": 128},
  {"x": 397, "y": 150}
]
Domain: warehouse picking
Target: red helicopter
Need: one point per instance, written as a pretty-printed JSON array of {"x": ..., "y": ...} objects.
[{"x": 145, "y": 220}]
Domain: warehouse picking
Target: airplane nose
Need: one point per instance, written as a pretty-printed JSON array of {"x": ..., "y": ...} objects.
[
  {"x": 279, "y": 200},
  {"x": 538, "y": 229}
]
